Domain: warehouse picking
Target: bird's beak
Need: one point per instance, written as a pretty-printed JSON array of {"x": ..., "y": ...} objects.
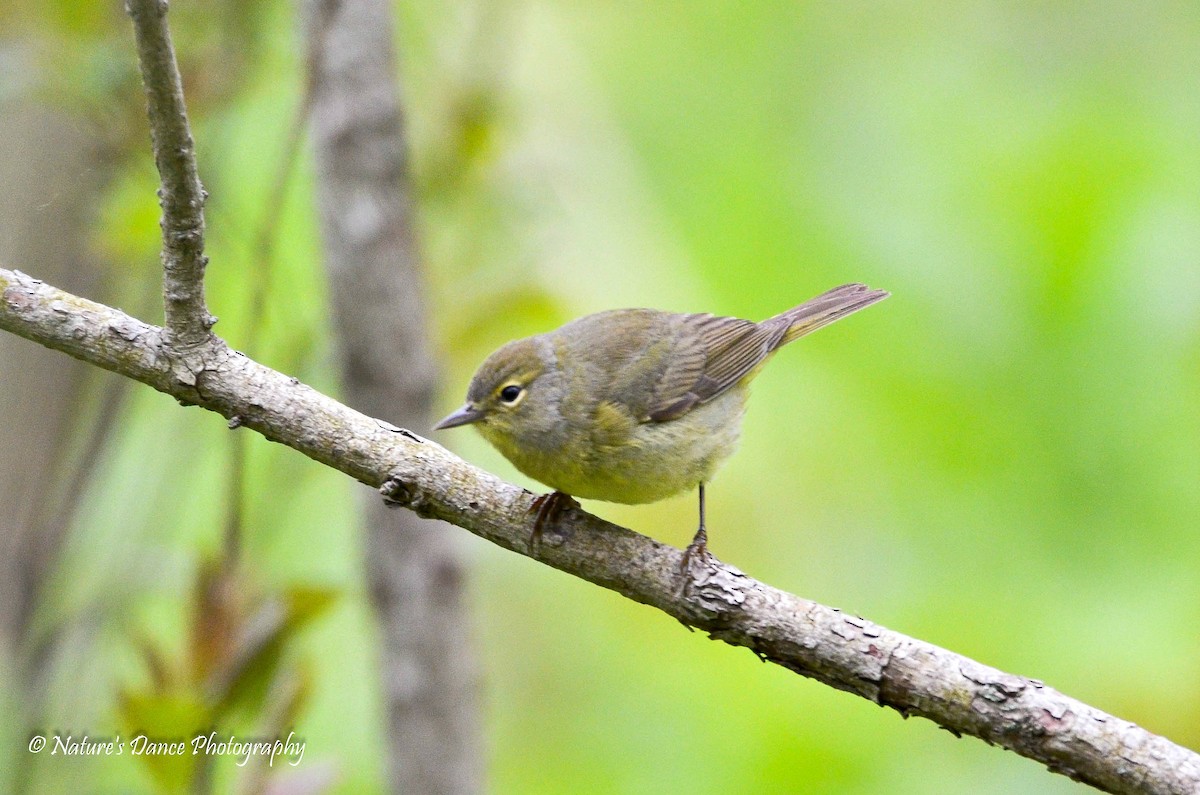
[{"x": 464, "y": 416}]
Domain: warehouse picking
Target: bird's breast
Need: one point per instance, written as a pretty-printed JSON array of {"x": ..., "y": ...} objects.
[{"x": 622, "y": 460}]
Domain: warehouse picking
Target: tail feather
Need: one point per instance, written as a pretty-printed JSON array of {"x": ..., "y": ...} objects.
[{"x": 827, "y": 307}]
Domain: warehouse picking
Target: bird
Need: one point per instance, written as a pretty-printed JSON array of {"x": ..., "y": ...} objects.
[{"x": 632, "y": 405}]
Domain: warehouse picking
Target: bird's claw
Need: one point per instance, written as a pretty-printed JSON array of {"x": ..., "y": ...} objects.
[
  {"x": 696, "y": 554},
  {"x": 547, "y": 509}
]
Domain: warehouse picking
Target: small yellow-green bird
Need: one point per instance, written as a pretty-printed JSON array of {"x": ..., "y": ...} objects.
[{"x": 632, "y": 405}]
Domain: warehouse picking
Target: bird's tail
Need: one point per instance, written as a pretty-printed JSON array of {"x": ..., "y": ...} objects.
[{"x": 823, "y": 310}]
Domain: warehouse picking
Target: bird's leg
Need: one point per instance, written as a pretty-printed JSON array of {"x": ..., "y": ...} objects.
[
  {"x": 698, "y": 549},
  {"x": 547, "y": 509}
]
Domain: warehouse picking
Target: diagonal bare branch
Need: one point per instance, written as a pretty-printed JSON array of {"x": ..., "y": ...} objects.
[
  {"x": 181, "y": 195},
  {"x": 841, "y": 650}
]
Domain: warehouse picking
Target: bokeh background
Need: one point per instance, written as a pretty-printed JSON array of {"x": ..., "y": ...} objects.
[{"x": 1002, "y": 459}]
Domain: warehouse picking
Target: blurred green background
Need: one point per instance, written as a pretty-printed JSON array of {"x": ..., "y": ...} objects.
[{"x": 1001, "y": 459}]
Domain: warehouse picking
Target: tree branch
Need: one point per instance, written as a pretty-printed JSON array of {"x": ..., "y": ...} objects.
[
  {"x": 841, "y": 650},
  {"x": 181, "y": 195}
]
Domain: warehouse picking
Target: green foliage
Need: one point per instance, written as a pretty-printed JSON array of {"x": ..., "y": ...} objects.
[{"x": 234, "y": 676}]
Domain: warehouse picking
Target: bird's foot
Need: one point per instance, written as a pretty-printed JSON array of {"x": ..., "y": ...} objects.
[
  {"x": 547, "y": 510},
  {"x": 695, "y": 555}
]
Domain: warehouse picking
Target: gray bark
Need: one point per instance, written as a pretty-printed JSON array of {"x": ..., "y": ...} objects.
[
  {"x": 180, "y": 194},
  {"x": 841, "y": 650},
  {"x": 414, "y": 566}
]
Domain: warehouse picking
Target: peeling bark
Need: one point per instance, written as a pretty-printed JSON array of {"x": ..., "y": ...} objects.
[{"x": 841, "y": 650}]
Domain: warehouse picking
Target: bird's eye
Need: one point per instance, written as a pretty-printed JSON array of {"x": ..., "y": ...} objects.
[{"x": 510, "y": 393}]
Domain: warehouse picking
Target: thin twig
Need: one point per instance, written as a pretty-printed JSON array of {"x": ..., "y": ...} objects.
[
  {"x": 181, "y": 195},
  {"x": 845, "y": 652}
]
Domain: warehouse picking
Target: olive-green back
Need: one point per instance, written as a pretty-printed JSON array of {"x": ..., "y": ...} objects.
[{"x": 659, "y": 365}]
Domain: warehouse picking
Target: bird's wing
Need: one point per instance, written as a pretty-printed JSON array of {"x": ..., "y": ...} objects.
[{"x": 711, "y": 355}]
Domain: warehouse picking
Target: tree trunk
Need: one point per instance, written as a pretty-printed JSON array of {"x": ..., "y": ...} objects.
[
  {"x": 52, "y": 172},
  {"x": 366, "y": 212}
]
